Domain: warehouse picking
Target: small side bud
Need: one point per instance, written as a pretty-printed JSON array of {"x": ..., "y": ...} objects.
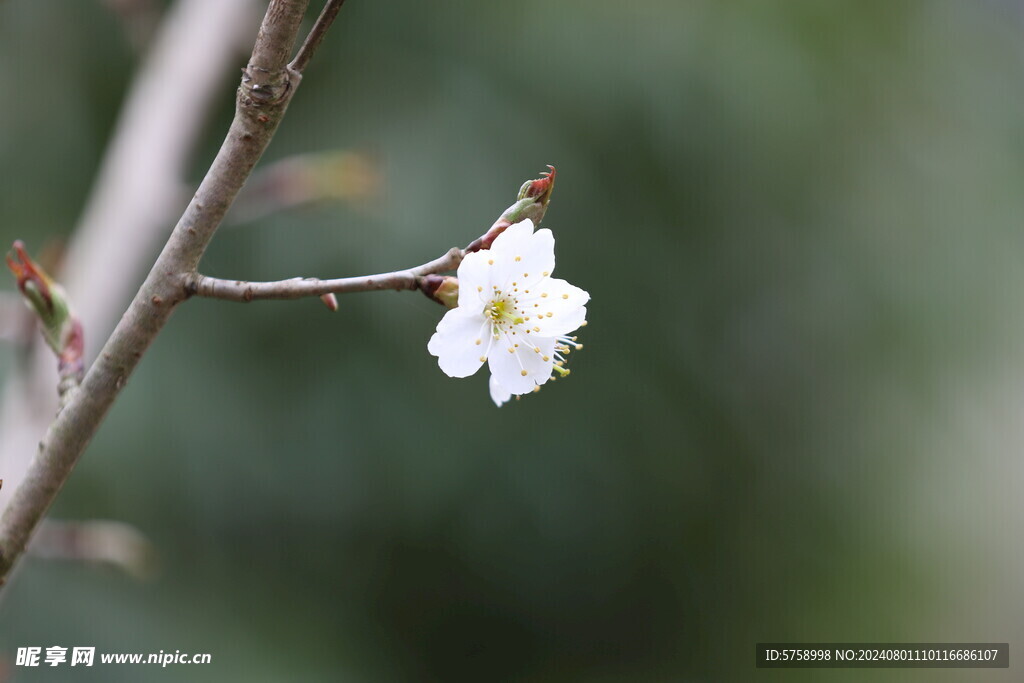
[
  {"x": 61, "y": 329},
  {"x": 43, "y": 295},
  {"x": 444, "y": 289},
  {"x": 330, "y": 300},
  {"x": 531, "y": 203},
  {"x": 33, "y": 282}
]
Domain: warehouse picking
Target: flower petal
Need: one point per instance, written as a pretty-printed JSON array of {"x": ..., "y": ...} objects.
[
  {"x": 528, "y": 257},
  {"x": 498, "y": 393},
  {"x": 564, "y": 302},
  {"x": 538, "y": 258},
  {"x": 458, "y": 342},
  {"x": 474, "y": 272},
  {"x": 507, "y": 368},
  {"x": 514, "y": 235}
]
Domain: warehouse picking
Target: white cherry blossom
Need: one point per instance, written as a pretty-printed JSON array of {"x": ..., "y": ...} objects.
[
  {"x": 499, "y": 394},
  {"x": 511, "y": 314}
]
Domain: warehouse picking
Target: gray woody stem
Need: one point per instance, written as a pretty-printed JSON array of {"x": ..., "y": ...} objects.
[
  {"x": 297, "y": 288},
  {"x": 268, "y": 85},
  {"x": 137, "y": 194}
]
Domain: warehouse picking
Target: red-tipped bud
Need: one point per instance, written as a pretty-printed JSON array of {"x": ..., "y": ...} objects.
[
  {"x": 33, "y": 282},
  {"x": 531, "y": 203},
  {"x": 540, "y": 189},
  {"x": 61, "y": 328}
]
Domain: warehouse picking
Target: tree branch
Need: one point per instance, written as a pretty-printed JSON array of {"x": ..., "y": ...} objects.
[
  {"x": 135, "y": 198},
  {"x": 138, "y": 192},
  {"x": 316, "y": 35},
  {"x": 267, "y": 87},
  {"x": 297, "y": 288}
]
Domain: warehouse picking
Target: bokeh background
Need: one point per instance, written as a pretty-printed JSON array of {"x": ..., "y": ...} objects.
[{"x": 798, "y": 416}]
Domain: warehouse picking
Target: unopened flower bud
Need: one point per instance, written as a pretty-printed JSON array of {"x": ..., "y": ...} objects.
[
  {"x": 330, "y": 300},
  {"x": 444, "y": 289},
  {"x": 61, "y": 328},
  {"x": 531, "y": 203}
]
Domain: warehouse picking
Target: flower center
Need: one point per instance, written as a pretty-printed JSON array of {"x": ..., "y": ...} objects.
[{"x": 503, "y": 313}]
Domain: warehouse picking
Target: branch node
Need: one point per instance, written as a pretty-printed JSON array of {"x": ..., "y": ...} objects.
[
  {"x": 262, "y": 87},
  {"x": 190, "y": 285}
]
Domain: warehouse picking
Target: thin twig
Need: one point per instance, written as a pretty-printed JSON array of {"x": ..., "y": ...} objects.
[
  {"x": 316, "y": 35},
  {"x": 297, "y": 288},
  {"x": 266, "y": 89}
]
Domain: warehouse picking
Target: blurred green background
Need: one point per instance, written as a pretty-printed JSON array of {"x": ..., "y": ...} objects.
[{"x": 798, "y": 416}]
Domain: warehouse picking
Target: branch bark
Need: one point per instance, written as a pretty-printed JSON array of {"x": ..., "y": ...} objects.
[
  {"x": 297, "y": 288},
  {"x": 139, "y": 190},
  {"x": 268, "y": 85},
  {"x": 135, "y": 199}
]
